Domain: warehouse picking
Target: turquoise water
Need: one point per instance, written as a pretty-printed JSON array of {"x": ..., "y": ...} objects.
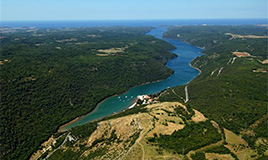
[{"x": 184, "y": 73}]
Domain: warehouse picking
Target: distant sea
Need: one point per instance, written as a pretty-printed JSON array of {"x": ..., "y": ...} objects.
[{"x": 130, "y": 23}]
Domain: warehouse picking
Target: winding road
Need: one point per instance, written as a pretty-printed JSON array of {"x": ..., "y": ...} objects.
[{"x": 186, "y": 94}]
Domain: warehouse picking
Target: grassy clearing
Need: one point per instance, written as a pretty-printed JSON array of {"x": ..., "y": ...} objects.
[{"x": 238, "y": 146}]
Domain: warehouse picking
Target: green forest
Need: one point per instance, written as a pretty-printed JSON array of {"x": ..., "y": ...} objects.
[
  {"x": 230, "y": 90},
  {"x": 51, "y": 76},
  {"x": 192, "y": 137},
  {"x": 215, "y": 39}
]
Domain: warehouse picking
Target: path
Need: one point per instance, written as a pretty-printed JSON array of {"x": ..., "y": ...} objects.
[
  {"x": 230, "y": 60},
  {"x": 165, "y": 157},
  {"x": 186, "y": 94},
  {"x": 234, "y": 59},
  {"x": 142, "y": 133},
  {"x": 216, "y": 125},
  {"x": 220, "y": 71},
  {"x": 143, "y": 152},
  {"x": 188, "y": 155},
  {"x": 213, "y": 71},
  {"x": 177, "y": 94},
  {"x": 68, "y": 137}
]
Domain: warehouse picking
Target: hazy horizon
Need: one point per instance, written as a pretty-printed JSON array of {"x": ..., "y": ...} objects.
[
  {"x": 136, "y": 19},
  {"x": 129, "y": 23},
  {"x": 49, "y": 10}
]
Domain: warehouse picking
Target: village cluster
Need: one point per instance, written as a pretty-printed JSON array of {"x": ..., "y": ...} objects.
[{"x": 145, "y": 99}]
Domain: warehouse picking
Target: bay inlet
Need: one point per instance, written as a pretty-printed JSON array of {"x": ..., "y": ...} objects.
[{"x": 183, "y": 74}]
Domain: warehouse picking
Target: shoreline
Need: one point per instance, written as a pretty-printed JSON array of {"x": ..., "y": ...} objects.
[
  {"x": 190, "y": 64},
  {"x": 200, "y": 71},
  {"x": 185, "y": 42},
  {"x": 134, "y": 104},
  {"x": 66, "y": 124}
]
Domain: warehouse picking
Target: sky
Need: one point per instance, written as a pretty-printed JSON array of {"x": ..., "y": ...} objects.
[{"x": 131, "y": 9}]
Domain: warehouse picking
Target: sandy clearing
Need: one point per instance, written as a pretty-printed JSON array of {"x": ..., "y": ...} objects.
[
  {"x": 213, "y": 156},
  {"x": 166, "y": 124},
  {"x": 259, "y": 70},
  {"x": 5, "y": 61},
  {"x": 238, "y": 145},
  {"x": 245, "y": 36},
  {"x": 241, "y": 54},
  {"x": 102, "y": 55},
  {"x": 124, "y": 128},
  {"x": 165, "y": 130},
  {"x": 112, "y": 50},
  {"x": 232, "y": 138},
  {"x": 167, "y": 106},
  {"x": 198, "y": 116},
  {"x": 265, "y": 61}
]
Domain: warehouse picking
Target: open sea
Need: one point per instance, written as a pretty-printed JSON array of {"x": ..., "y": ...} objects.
[{"x": 129, "y": 23}]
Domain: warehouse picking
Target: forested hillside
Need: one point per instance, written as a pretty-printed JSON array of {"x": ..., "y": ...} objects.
[
  {"x": 51, "y": 76},
  {"x": 219, "y": 39},
  {"x": 224, "y": 118},
  {"x": 231, "y": 90}
]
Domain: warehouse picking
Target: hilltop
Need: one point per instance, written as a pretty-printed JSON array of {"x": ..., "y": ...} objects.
[{"x": 168, "y": 130}]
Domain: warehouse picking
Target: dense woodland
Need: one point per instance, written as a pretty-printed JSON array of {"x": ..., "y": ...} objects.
[
  {"x": 192, "y": 137},
  {"x": 51, "y": 76},
  {"x": 214, "y": 39},
  {"x": 236, "y": 98}
]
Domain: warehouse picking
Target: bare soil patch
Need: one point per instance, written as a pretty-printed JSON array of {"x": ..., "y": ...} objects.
[
  {"x": 259, "y": 70},
  {"x": 241, "y": 54},
  {"x": 213, "y": 156},
  {"x": 112, "y": 50},
  {"x": 265, "y": 61},
  {"x": 238, "y": 146},
  {"x": 198, "y": 116},
  {"x": 245, "y": 36}
]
